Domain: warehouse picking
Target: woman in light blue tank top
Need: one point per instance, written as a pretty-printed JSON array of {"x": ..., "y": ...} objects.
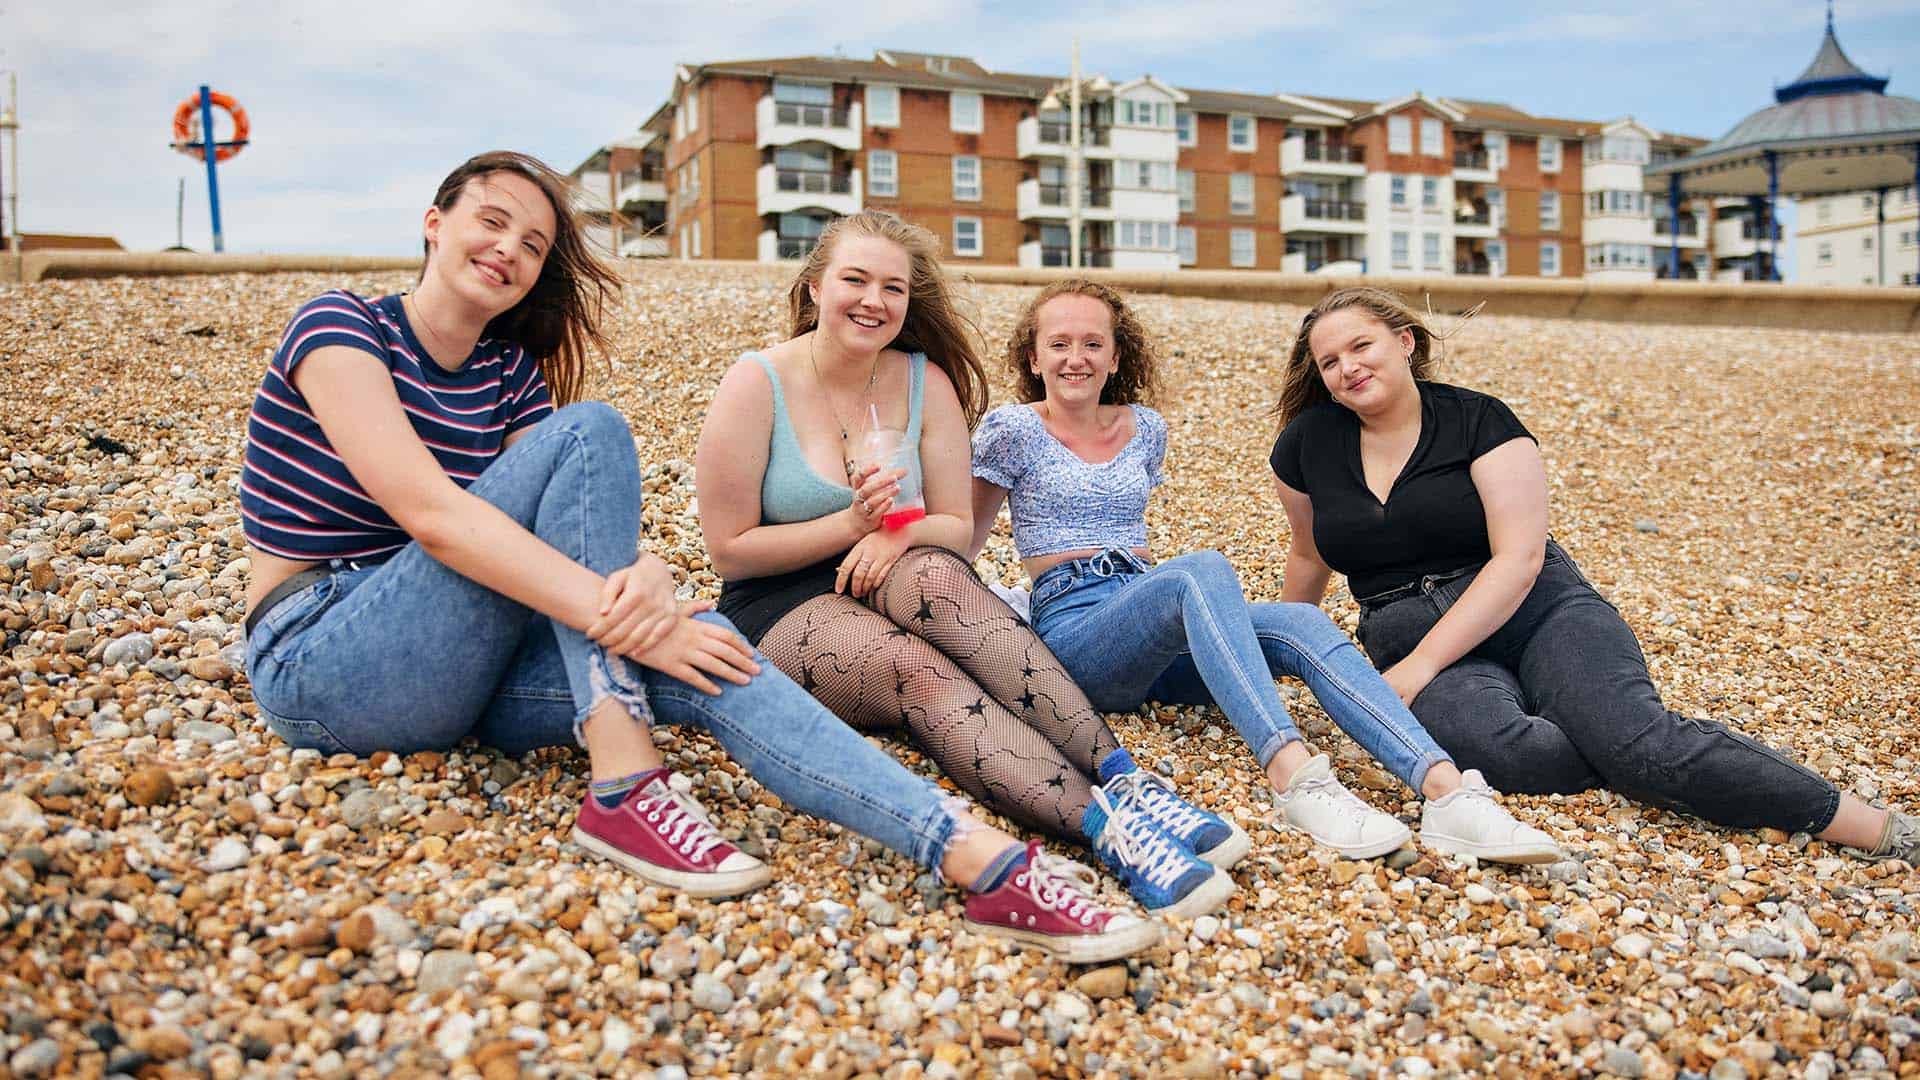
[
  {"x": 890, "y": 627},
  {"x": 1079, "y": 462}
]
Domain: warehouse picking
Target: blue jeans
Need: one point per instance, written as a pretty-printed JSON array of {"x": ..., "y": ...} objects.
[
  {"x": 1183, "y": 632},
  {"x": 409, "y": 655}
]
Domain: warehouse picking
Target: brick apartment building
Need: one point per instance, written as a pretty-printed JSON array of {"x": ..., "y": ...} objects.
[{"x": 759, "y": 154}]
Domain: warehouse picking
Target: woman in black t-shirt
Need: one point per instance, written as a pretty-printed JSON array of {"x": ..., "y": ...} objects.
[{"x": 1432, "y": 499}]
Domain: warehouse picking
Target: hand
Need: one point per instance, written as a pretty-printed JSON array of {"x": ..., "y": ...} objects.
[
  {"x": 867, "y": 565},
  {"x": 636, "y": 606},
  {"x": 691, "y": 650},
  {"x": 1408, "y": 678},
  {"x": 873, "y": 492}
]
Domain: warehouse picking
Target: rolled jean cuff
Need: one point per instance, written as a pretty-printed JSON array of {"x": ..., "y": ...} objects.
[
  {"x": 612, "y": 677},
  {"x": 931, "y": 835},
  {"x": 1275, "y": 743},
  {"x": 1417, "y": 777}
]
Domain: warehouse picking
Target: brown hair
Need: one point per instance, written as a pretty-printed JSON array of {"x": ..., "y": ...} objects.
[
  {"x": 559, "y": 321},
  {"x": 1301, "y": 387},
  {"x": 934, "y": 325},
  {"x": 1135, "y": 375}
]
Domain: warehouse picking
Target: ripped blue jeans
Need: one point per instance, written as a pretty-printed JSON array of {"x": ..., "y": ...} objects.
[
  {"x": 1182, "y": 632},
  {"x": 409, "y": 655}
]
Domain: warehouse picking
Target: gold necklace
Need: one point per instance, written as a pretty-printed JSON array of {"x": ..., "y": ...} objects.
[{"x": 865, "y": 399}]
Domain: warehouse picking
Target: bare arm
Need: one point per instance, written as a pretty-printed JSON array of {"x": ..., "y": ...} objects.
[
  {"x": 1512, "y": 482},
  {"x": 988, "y": 497},
  {"x": 1307, "y": 573},
  {"x": 946, "y": 467}
]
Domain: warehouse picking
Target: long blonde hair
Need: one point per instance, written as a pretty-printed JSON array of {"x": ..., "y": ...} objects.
[
  {"x": 1135, "y": 374},
  {"x": 1301, "y": 387},
  {"x": 934, "y": 325}
]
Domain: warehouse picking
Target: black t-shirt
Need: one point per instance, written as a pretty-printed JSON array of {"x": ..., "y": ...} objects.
[{"x": 1432, "y": 520}]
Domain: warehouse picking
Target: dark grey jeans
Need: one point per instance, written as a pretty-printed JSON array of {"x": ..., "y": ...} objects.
[{"x": 1559, "y": 700}]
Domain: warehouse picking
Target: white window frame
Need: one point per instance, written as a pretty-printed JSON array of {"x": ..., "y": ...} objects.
[
  {"x": 1187, "y": 243},
  {"x": 1433, "y": 139},
  {"x": 960, "y": 192},
  {"x": 956, "y": 119},
  {"x": 696, "y": 239},
  {"x": 888, "y": 188},
  {"x": 1190, "y": 134},
  {"x": 1400, "y": 249},
  {"x": 877, "y": 116},
  {"x": 1184, "y": 183},
  {"x": 1550, "y": 143},
  {"x": 1432, "y": 257},
  {"x": 1824, "y": 253},
  {"x": 1397, "y": 193},
  {"x": 1399, "y": 134},
  {"x": 1496, "y": 144},
  {"x": 1550, "y": 221},
  {"x": 1251, "y": 142},
  {"x": 690, "y": 110},
  {"x": 1251, "y": 256},
  {"x": 1549, "y": 248},
  {"x": 1429, "y": 193},
  {"x": 1497, "y": 255},
  {"x": 1235, "y": 205},
  {"x": 979, "y": 238}
]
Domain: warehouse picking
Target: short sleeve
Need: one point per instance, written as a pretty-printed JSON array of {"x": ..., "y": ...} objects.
[
  {"x": 337, "y": 318},
  {"x": 527, "y": 395},
  {"x": 1494, "y": 424},
  {"x": 999, "y": 451},
  {"x": 1154, "y": 427},
  {"x": 1285, "y": 458}
]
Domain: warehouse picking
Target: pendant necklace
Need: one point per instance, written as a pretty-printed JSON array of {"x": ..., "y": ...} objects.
[{"x": 866, "y": 398}]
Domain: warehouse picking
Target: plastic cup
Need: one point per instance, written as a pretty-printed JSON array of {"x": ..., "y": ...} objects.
[{"x": 887, "y": 448}]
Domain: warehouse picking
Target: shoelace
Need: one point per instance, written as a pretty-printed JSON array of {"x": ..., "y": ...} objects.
[
  {"x": 1062, "y": 885},
  {"x": 1156, "y": 797},
  {"x": 1136, "y": 843},
  {"x": 1903, "y": 840},
  {"x": 681, "y": 822},
  {"x": 1328, "y": 788}
]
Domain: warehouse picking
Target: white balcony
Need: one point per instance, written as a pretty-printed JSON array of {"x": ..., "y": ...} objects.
[
  {"x": 782, "y": 191},
  {"x": 1036, "y": 201},
  {"x": 1138, "y": 205},
  {"x": 782, "y": 123},
  {"x": 1034, "y": 137},
  {"x": 644, "y": 247},
  {"x": 1296, "y": 159},
  {"x": 1478, "y": 226},
  {"x": 634, "y": 191},
  {"x": 1137, "y": 259},
  {"x": 595, "y": 187},
  {"x": 1617, "y": 229},
  {"x": 1030, "y": 254},
  {"x": 1474, "y": 166},
  {"x": 1737, "y": 237},
  {"x": 1690, "y": 235},
  {"x": 1293, "y": 262},
  {"x": 776, "y": 248},
  {"x": 1301, "y": 214}
]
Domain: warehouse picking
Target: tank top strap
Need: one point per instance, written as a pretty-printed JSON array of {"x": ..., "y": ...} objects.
[
  {"x": 916, "y": 384},
  {"x": 783, "y": 435}
]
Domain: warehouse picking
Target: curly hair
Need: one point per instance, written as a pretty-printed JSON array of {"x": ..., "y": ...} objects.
[
  {"x": 1301, "y": 387},
  {"x": 1135, "y": 375}
]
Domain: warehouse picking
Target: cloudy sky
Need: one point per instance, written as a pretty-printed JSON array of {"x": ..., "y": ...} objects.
[{"x": 360, "y": 106}]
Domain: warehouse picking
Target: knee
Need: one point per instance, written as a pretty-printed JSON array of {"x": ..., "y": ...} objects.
[
  {"x": 939, "y": 571},
  {"x": 1209, "y": 571},
  {"x": 596, "y": 422}
]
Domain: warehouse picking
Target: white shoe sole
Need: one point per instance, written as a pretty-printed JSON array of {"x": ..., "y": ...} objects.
[
  {"x": 1229, "y": 851},
  {"x": 1374, "y": 850},
  {"x": 1087, "y": 949},
  {"x": 730, "y": 883},
  {"x": 1519, "y": 854},
  {"x": 1207, "y": 896}
]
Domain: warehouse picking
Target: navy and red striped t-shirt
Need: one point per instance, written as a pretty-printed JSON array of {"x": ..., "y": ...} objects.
[{"x": 297, "y": 499}]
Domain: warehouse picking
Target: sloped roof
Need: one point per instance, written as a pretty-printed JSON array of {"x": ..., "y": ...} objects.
[{"x": 1830, "y": 72}]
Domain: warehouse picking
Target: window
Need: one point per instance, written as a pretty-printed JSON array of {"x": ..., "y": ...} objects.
[
  {"x": 1143, "y": 175},
  {"x": 1240, "y": 193},
  {"x": 1496, "y": 207},
  {"x": 1549, "y": 154},
  {"x": 883, "y": 106},
  {"x": 1549, "y": 259},
  {"x": 1144, "y": 235},
  {"x": 1402, "y": 251},
  {"x": 1239, "y": 132},
  {"x": 1626, "y": 203},
  {"x": 1619, "y": 256},
  {"x": 1189, "y": 246},
  {"x": 1496, "y": 257},
  {"x": 1184, "y": 123},
  {"x": 1826, "y": 253},
  {"x": 1630, "y": 149},
  {"x": 690, "y": 109},
  {"x": 1866, "y": 243},
  {"x": 802, "y": 93},
  {"x": 966, "y": 177},
  {"x": 1145, "y": 112},
  {"x": 966, "y": 236},
  {"x": 1824, "y": 208},
  {"x": 1496, "y": 144},
  {"x": 1866, "y": 204},
  {"x": 1429, "y": 193},
  {"x": 1430, "y": 138},
  {"x": 1186, "y": 191},
  {"x": 1241, "y": 241},
  {"x": 1430, "y": 251},
  {"x": 883, "y": 173},
  {"x": 963, "y": 112},
  {"x": 1399, "y": 135},
  {"x": 1397, "y": 189},
  {"x": 1908, "y": 239},
  {"x": 1549, "y": 209}
]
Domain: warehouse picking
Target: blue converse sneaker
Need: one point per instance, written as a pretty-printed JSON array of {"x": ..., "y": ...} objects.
[
  {"x": 1163, "y": 876},
  {"x": 1207, "y": 835}
]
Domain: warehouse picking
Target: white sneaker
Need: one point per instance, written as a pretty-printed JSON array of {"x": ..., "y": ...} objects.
[
  {"x": 1469, "y": 822},
  {"x": 1318, "y": 804}
]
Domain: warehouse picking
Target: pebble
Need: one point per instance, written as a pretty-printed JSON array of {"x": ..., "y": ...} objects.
[
  {"x": 1623, "y": 1062},
  {"x": 361, "y": 808},
  {"x": 129, "y": 649},
  {"x": 1103, "y": 982},
  {"x": 710, "y": 994},
  {"x": 1633, "y": 946},
  {"x": 149, "y": 785},
  {"x": 20, "y": 815},
  {"x": 1205, "y": 927},
  {"x": 230, "y": 853},
  {"x": 37, "y": 1058},
  {"x": 1829, "y": 1004},
  {"x": 444, "y": 969},
  {"x": 203, "y": 731}
]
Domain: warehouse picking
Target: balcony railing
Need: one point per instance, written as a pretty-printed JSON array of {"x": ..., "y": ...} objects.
[
  {"x": 1336, "y": 210},
  {"x": 1479, "y": 217},
  {"x": 814, "y": 181},
  {"x": 1688, "y": 227},
  {"x": 1470, "y": 159},
  {"x": 1059, "y": 256},
  {"x": 796, "y": 247},
  {"x": 1338, "y": 155},
  {"x": 820, "y": 116},
  {"x": 1464, "y": 266},
  {"x": 1061, "y": 132},
  {"x": 1061, "y": 195}
]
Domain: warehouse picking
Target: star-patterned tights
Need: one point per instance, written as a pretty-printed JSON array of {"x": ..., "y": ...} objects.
[{"x": 934, "y": 651}]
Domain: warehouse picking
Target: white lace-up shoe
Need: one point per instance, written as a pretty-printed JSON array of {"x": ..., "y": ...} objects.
[
  {"x": 1318, "y": 804},
  {"x": 1470, "y": 822}
]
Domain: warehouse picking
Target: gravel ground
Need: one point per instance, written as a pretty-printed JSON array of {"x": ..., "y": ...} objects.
[{"x": 181, "y": 895}]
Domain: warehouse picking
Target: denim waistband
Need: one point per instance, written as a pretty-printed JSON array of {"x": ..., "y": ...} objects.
[
  {"x": 1102, "y": 564},
  {"x": 1422, "y": 584}
]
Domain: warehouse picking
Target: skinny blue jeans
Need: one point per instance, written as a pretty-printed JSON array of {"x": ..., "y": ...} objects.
[
  {"x": 1182, "y": 631},
  {"x": 408, "y": 655}
]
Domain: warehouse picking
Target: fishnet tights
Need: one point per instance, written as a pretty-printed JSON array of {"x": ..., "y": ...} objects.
[{"x": 939, "y": 654}]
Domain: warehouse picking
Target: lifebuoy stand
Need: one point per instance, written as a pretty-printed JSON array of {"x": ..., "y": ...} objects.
[{"x": 205, "y": 148}]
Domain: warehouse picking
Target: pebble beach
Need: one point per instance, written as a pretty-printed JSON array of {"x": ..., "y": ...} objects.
[{"x": 183, "y": 895}]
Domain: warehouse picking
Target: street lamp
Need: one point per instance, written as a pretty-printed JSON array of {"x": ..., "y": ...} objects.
[{"x": 10, "y": 124}]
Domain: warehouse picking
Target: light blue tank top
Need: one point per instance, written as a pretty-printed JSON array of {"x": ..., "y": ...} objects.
[{"x": 792, "y": 489}]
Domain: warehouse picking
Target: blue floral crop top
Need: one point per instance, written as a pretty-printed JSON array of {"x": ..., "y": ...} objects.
[{"x": 1059, "y": 501}]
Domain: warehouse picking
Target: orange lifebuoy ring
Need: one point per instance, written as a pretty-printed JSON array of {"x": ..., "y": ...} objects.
[{"x": 184, "y": 116}]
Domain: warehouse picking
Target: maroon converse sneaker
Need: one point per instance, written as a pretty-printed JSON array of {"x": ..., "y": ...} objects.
[
  {"x": 1046, "y": 904},
  {"x": 666, "y": 838}
]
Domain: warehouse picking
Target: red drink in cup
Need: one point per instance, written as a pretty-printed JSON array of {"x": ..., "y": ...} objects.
[{"x": 887, "y": 448}]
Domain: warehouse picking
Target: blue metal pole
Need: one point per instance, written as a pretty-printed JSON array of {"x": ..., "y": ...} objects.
[
  {"x": 213, "y": 180},
  {"x": 1755, "y": 204},
  {"x": 1673, "y": 225},
  {"x": 1916, "y": 195},
  {"x": 1773, "y": 220}
]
